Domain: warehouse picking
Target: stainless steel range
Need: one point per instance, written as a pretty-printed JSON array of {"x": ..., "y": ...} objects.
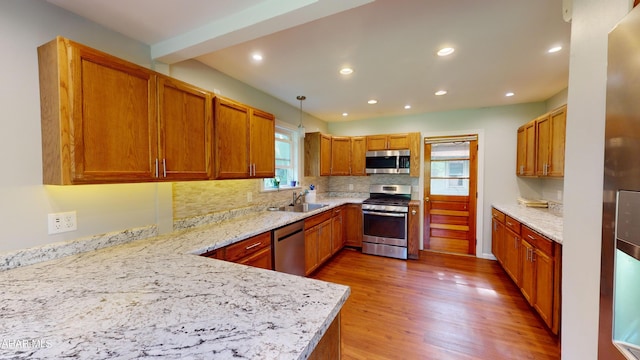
[{"x": 385, "y": 220}]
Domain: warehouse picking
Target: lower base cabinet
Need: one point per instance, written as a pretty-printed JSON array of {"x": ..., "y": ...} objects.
[
  {"x": 330, "y": 346},
  {"x": 317, "y": 241},
  {"x": 255, "y": 251},
  {"x": 353, "y": 225}
]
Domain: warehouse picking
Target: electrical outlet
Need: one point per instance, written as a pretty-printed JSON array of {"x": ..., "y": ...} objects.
[
  {"x": 62, "y": 222},
  {"x": 249, "y": 196}
]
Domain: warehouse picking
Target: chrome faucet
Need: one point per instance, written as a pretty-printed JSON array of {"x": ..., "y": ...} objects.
[{"x": 296, "y": 198}]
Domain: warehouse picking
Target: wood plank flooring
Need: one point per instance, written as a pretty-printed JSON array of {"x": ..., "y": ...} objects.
[{"x": 439, "y": 307}]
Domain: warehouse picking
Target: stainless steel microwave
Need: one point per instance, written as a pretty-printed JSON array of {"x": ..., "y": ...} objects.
[{"x": 387, "y": 162}]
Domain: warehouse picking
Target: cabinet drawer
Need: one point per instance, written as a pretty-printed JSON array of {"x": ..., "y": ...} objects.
[
  {"x": 512, "y": 224},
  {"x": 337, "y": 211},
  {"x": 497, "y": 214},
  {"x": 317, "y": 219},
  {"x": 540, "y": 242},
  {"x": 248, "y": 246}
]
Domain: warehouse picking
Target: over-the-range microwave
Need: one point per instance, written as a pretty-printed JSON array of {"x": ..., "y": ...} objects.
[{"x": 387, "y": 162}]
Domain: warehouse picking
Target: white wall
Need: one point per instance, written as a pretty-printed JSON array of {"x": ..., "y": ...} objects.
[
  {"x": 499, "y": 125},
  {"x": 591, "y": 23},
  {"x": 25, "y": 25}
]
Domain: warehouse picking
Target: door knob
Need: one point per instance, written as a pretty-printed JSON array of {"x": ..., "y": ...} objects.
[{"x": 426, "y": 198}]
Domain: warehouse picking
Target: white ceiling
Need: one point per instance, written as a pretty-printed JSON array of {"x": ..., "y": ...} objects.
[{"x": 501, "y": 46}]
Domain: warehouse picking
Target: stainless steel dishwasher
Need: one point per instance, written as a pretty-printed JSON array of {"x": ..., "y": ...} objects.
[{"x": 289, "y": 248}]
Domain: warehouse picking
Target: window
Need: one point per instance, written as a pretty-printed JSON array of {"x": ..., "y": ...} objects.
[
  {"x": 450, "y": 168},
  {"x": 287, "y": 151}
]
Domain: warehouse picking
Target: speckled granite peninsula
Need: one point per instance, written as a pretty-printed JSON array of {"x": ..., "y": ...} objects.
[{"x": 156, "y": 298}]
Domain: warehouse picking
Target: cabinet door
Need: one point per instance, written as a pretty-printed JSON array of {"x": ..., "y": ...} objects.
[
  {"x": 113, "y": 118},
  {"x": 543, "y": 145},
  {"x": 413, "y": 233},
  {"x": 353, "y": 225},
  {"x": 497, "y": 240},
  {"x": 358, "y": 155},
  {"x": 311, "y": 249},
  {"x": 398, "y": 142},
  {"x": 325, "y": 155},
  {"x": 261, "y": 259},
  {"x": 324, "y": 242},
  {"x": 186, "y": 130},
  {"x": 511, "y": 253},
  {"x": 527, "y": 284},
  {"x": 337, "y": 233},
  {"x": 231, "y": 144},
  {"x": 376, "y": 142},
  {"x": 521, "y": 154},
  {"x": 544, "y": 286},
  {"x": 340, "y": 155},
  {"x": 530, "y": 152},
  {"x": 558, "y": 132},
  {"x": 262, "y": 144}
]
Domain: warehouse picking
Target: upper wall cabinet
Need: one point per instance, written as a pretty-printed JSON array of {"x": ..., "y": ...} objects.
[
  {"x": 358, "y": 155},
  {"x": 388, "y": 142},
  {"x": 105, "y": 120},
  {"x": 244, "y": 141},
  {"x": 541, "y": 145},
  {"x": 317, "y": 154},
  {"x": 340, "y": 155}
]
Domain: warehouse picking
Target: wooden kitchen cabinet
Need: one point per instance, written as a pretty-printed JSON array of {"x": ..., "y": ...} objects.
[
  {"x": 317, "y": 240},
  {"x": 340, "y": 155},
  {"x": 317, "y": 154},
  {"x": 511, "y": 249},
  {"x": 413, "y": 233},
  {"x": 186, "y": 129},
  {"x": 337, "y": 230},
  {"x": 541, "y": 276},
  {"x": 353, "y": 230},
  {"x": 255, "y": 251},
  {"x": 99, "y": 116},
  {"x": 550, "y": 143},
  {"x": 244, "y": 141},
  {"x": 388, "y": 142},
  {"x": 498, "y": 235},
  {"x": 526, "y": 150},
  {"x": 358, "y": 155}
]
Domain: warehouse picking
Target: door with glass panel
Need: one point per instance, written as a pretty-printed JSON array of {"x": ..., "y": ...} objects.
[{"x": 450, "y": 188}]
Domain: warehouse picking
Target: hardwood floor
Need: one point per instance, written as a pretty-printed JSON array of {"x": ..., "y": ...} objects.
[{"x": 439, "y": 307}]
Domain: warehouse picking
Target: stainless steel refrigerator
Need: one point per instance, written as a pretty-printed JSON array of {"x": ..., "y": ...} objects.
[{"x": 619, "y": 329}]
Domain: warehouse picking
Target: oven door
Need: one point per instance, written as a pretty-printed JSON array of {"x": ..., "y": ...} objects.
[{"x": 388, "y": 228}]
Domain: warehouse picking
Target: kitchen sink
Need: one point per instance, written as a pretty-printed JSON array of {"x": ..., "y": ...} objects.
[{"x": 302, "y": 207}]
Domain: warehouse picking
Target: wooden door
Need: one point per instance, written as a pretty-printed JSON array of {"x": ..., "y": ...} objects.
[
  {"x": 325, "y": 155},
  {"x": 398, "y": 142},
  {"x": 528, "y": 271},
  {"x": 337, "y": 232},
  {"x": 186, "y": 130},
  {"x": 543, "y": 145},
  {"x": 558, "y": 133},
  {"x": 544, "y": 287},
  {"x": 353, "y": 230},
  {"x": 340, "y": 155},
  {"x": 358, "y": 155},
  {"x": 450, "y": 194},
  {"x": 521, "y": 151},
  {"x": 114, "y": 120},
  {"x": 512, "y": 255},
  {"x": 231, "y": 139},
  {"x": 376, "y": 142},
  {"x": 530, "y": 152},
  {"x": 262, "y": 144}
]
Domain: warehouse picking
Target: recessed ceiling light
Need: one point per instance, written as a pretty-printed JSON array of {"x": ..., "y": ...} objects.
[
  {"x": 407, "y": 107},
  {"x": 346, "y": 71},
  {"x": 554, "y": 49},
  {"x": 446, "y": 51},
  {"x": 441, "y": 92},
  {"x": 509, "y": 94},
  {"x": 345, "y": 114},
  {"x": 372, "y": 101},
  {"x": 256, "y": 57}
]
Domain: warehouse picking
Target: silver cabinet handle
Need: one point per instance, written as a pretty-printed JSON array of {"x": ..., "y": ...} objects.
[
  {"x": 530, "y": 237},
  {"x": 252, "y": 246},
  {"x": 164, "y": 167},
  {"x": 413, "y": 212},
  {"x": 156, "y": 173}
]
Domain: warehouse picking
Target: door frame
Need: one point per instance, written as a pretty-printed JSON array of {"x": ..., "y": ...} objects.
[{"x": 480, "y": 187}]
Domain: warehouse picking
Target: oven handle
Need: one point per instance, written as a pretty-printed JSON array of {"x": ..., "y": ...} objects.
[{"x": 384, "y": 213}]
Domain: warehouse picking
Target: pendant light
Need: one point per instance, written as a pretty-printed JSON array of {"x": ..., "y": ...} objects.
[{"x": 301, "y": 129}]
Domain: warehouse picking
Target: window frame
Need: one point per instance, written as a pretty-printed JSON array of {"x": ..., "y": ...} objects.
[{"x": 296, "y": 151}]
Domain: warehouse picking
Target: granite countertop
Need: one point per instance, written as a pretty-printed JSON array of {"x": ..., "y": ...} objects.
[
  {"x": 542, "y": 221},
  {"x": 155, "y": 298}
]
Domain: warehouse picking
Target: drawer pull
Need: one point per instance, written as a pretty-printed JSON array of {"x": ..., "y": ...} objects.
[
  {"x": 510, "y": 224},
  {"x": 252, "y": 246},
  {"x": 530, "y": 237}
]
